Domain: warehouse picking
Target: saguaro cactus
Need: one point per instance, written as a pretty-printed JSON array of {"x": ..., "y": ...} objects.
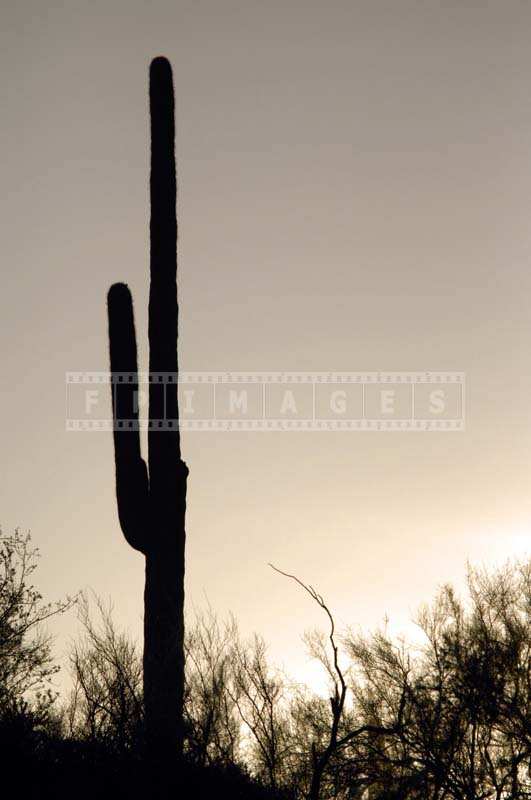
[{"x": 151, "y": 504}]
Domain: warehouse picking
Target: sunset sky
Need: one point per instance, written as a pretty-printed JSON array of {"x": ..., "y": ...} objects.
[{"x": 354, "y": 193}]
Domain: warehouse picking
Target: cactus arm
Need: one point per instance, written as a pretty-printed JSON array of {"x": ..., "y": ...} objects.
[{"x": 131, "y": 471}]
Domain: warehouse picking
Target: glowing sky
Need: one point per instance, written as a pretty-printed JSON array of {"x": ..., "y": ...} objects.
[{"x": 354, "y": 194}]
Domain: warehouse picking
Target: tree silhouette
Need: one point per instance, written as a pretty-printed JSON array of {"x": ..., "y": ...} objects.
[
  {"x": 26, "y": 663},
  {"x": 342, "y": 731},
  {"x": 105, "y": 705},
  {"x": 151, "y": 507}
]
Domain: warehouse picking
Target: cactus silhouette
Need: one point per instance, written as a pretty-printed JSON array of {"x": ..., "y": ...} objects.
[{"x": 152, "y": 502}]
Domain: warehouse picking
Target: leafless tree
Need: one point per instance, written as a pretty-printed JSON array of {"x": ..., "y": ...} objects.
[
  {"x": 106, "y": 699},
  {"x": 260, "y": 695},
  {"x": 465, "y": 721},
  {"x": 26, "y": 664},
  {"x": 212, "y": 723},
  {"x": 341, "y": 730}
]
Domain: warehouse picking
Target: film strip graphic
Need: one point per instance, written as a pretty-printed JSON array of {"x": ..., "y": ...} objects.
[{"x": 269, "y": 401}]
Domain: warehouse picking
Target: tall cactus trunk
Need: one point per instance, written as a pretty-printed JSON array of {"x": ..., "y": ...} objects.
[{"x": 152, "y": 508}]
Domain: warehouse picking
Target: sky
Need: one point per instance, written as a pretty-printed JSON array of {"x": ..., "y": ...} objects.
[{"x": 354, "y": 193}]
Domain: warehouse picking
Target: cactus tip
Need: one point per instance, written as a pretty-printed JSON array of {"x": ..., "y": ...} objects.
[
  {"x": 160, "y": 69},
  {"x": 117, "y": 292}
]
